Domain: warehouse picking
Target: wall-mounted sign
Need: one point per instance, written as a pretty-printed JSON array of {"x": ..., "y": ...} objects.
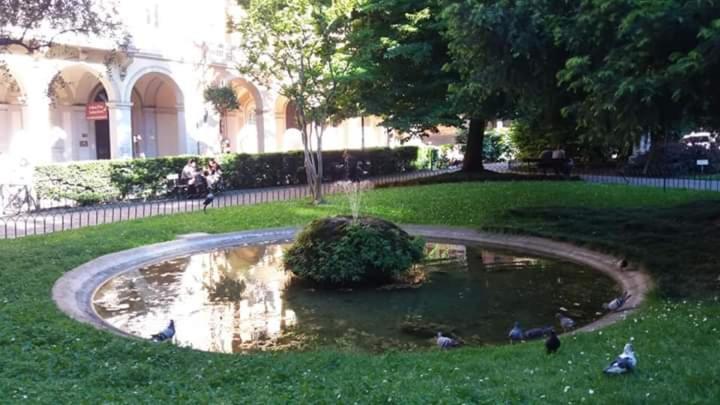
[
  {"x": 703, "y": 162},
  {"x": 84, "y": 144},
  {"x": 96, "y": 110}
]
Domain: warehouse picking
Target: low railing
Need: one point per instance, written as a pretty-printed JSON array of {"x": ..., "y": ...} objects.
[
  {"x": 58, "y": 220},
  {"x": 632, "y": 177}
]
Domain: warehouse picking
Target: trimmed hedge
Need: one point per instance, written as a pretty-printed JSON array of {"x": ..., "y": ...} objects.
[{"x": 115, "y": 180}]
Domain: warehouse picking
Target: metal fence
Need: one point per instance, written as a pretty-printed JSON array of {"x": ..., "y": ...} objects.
[
  {"x": 665, "y": 180},
  {"x": 62, "y": 219}
]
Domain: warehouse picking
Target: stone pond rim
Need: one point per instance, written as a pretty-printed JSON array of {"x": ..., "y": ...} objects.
[{"x": 73, "y": 292}]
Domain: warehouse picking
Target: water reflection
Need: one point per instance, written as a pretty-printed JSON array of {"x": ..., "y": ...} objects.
[{"x": 239, "y": 299}]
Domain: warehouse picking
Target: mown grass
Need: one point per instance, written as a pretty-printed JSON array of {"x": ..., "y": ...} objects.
[{"x": 46, "y": 357}]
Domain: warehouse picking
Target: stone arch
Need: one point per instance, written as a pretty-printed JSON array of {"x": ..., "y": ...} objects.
[
  {"x": 84, "y": 78},
  {"x": 160, "y": 70},
  {"x": 288, "y": 131},
  {"x": 72, "y": 136},
  {"x": 157, "y": 113},
  {"x": 246, "y": 127}
]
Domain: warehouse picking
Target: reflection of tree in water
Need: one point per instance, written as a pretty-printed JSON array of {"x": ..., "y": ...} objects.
[
  {"x": 244, "y": 288},
  {"x": 226, "y": 289}
]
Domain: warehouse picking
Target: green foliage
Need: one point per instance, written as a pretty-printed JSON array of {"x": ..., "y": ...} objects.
[
  {"x": 112, "y": 180},
  {"x": 427, "y": 157},
  {"x": 223, "y": 98},
  {"x": 398, "y": 57},
  {"x": 339, "y": 251},
  {"x": 37, "y": 24},
  {"x": 498, "y": 146},
  {"x": 298, "y": 48}
]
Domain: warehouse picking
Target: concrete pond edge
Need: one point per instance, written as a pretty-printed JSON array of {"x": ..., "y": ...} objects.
[{"x": 73, "y": 291}]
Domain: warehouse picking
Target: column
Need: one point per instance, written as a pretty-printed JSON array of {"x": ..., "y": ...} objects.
[
  {"x": 266, "y": 125},
  {"x": 35, "y": 146},
  {"x": 181, "y": 130},
  {"x": 120, "y": 116}
]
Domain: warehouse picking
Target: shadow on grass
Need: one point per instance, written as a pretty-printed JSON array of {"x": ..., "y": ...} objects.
[{"x": 679, "y": 245}]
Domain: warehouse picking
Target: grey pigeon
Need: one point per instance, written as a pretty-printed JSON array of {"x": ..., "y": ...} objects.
[
  {"x": 445, "y": 342},
  {"x": 165, "y": 334},
  {"x": 552, "y": 344},
  {"x": 208, "y": 200},
  {"x": 536, "y": 333},
  {"x": 617, "y": 302},
  {"x": 624, "y": 363},
  {"x": 566, "y": 322},
  {"x": 516, "y": 333}
]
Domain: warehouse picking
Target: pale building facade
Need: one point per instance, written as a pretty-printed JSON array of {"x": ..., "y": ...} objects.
[{"x": 154, "y": 96}]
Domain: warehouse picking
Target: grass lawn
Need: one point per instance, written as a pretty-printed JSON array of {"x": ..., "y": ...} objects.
[{"x": 46, "y": 357}]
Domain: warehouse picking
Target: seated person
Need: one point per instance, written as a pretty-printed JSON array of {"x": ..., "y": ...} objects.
[
  {"x": 213, "y": 174},
  {"x": 191, "y": 176}
]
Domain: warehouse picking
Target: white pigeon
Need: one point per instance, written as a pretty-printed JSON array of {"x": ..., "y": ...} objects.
[
  {"x": 624, "y": 363},
  {"x": 617, "y": 302},
  {"x": 445, "y": 342}
]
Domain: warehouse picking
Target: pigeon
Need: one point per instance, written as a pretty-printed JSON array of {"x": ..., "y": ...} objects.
[
  {"x": 165, "y": 334},
  {"x": 624, "y": 363},
  {"x": 445, "y": 342},
  {"x": 617, "y": 302},
  {"x": 566, "y": 322},
  {"x": 208, "y": 200},
  {"x": 516, "y": 334},
  {"x": 552, "y": 343},
  {"x": 536, "y": 333}
]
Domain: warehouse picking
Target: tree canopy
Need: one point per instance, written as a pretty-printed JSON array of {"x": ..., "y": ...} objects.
[
  {"x": 37, "y": 24},
  {"x": 595, "y": 73}
]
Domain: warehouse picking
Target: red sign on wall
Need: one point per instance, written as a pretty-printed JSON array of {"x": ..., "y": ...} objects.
[{"x": 96, "y": 111}]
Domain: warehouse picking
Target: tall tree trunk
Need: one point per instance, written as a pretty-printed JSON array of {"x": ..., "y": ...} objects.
[
  {"x": 319, "y": 166},
  {"x": 473, "y": 161}
]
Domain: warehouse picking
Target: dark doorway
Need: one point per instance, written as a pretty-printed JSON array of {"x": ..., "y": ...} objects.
[
  {"x": 102, "y": 130},
  {"x": 102, "y": 139}
]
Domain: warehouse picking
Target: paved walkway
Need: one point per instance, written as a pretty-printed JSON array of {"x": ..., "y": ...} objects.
[{"x": 57, "y": 220}]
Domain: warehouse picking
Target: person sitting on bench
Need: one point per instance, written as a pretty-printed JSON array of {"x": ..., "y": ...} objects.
[
  {"x": 193, "y": 177},
  {"x": 213, "y": 174}
]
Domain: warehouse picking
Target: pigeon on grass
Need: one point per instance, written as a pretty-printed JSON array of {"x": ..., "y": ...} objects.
[
  {"x": 445, "y": 342},
  {"x": 624, "y": 363},
  {"x": 165, "y": 334},
  {"x": 516, "y": 333},
  {"x": 552, "y": 343}
]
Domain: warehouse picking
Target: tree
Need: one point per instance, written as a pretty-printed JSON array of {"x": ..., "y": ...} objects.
[
  {"x": 223, "y": 99},
  {"x": 299, "y": 48},
  {"x": 507, "y": 60},
  {"x": 398, "y": 57},
  {"x": 404, "y": 73},
  {"x": 36, "y": 24},
  {"x": 642, "y": 67}
]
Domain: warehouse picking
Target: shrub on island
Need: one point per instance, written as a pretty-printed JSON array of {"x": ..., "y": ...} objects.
[{"x": 341, "y": 251}]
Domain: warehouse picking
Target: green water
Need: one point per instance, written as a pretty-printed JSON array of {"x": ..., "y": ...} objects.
[{"x": 240, "y": 299}]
